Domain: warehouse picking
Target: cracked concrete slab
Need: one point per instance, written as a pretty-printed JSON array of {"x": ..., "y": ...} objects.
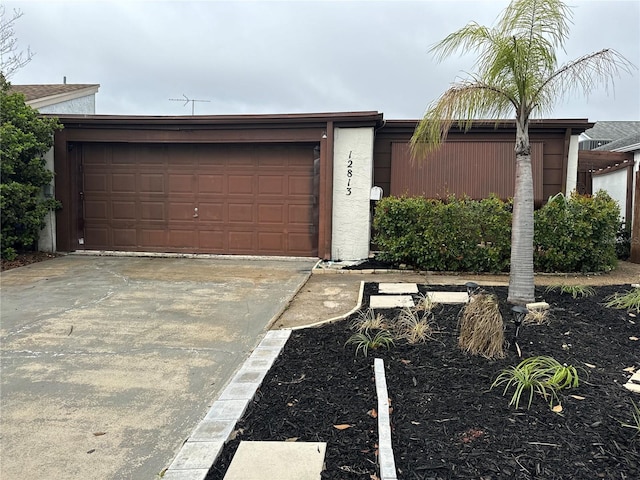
[{"x": 108, "y": 363}]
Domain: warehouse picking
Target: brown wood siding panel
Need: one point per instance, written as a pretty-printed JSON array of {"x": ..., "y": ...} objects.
[
  {"x": 552, "y": 161},
  {"x": 235, "y": 199},
  {"x": 475, "y": 169},
  {"x": 553, "y": 146}
]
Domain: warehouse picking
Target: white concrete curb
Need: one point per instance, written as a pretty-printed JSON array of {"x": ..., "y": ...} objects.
[
  {"x": 211, "y": 256},
  {"x": 203, "y": 447},
  {"x": 385, "y": 450}
]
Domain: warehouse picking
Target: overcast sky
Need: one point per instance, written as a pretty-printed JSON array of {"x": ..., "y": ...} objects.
[{"x": 290, "y": 57}]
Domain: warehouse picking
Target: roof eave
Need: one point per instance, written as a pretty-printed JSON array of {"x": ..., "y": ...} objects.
[
  {"x": 577, "y": 125},
  {"x": 62, "y": 97},
  {"x": 115, "y": 121}
]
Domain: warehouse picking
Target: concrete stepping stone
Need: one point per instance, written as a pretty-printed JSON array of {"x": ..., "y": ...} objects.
[
  {"x": 391, "y": 301},
  {"x": 448, "y": 297},
  {"x": 634, "y": 383},
  {"x": 277, "y": 461},
  {"x": 537, "y": 306},
  {"x": 397, "y": 288}
]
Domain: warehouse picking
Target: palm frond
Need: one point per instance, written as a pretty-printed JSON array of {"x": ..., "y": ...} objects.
[
  {"x": 470, "y": 38},
  {"x": 464, "y": 101},
  {"x": 542, "y": 21},
  {"x": 584, "y": 75},
  {"x": 516, "y": 68}
]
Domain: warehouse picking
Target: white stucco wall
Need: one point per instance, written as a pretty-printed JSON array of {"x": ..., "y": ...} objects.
[
  {"x": 352, "y": 182},
  {"x": 82, "y": 105},
  {"x": 47, "y": 240},
  {"x": 615, "y": 184},
  {"x": 572, "y": 165}
]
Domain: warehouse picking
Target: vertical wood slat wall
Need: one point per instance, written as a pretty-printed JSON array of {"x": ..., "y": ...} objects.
[{"x": 475, "y": 169}]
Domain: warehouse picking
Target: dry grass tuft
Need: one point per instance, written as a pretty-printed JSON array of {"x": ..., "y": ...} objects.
[
  {"x": 537, "y": 317},
  {"x": 369, "y": 320},
  {"x": 415, "y": 325},
  {"x": 481, "y": 327},
  {"x": 425, "y": 304}
]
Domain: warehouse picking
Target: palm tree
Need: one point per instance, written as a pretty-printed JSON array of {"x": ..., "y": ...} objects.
[{"x": 517, "y": 71}]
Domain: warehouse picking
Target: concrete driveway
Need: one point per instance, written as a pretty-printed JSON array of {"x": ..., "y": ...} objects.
[{"x": 108, "y": 363}]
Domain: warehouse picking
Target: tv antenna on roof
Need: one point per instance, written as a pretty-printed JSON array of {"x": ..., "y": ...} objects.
[{"x": 187, "y": 100}]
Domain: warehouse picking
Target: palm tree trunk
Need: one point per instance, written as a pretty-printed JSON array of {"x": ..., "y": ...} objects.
[{"x": 521, "y": 282}]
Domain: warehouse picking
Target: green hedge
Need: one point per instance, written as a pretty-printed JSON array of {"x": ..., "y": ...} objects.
[
  {"x": 459, "y": 234},
  {"x": 577, "y": 233}
]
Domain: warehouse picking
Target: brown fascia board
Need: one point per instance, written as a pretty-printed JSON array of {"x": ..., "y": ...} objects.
[
  {"x": 577, "y": 126},
  {"x": 370, "y": 118}
]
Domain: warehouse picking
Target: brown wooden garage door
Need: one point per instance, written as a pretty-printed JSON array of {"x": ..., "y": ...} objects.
[{"x": 232, "y": 199}]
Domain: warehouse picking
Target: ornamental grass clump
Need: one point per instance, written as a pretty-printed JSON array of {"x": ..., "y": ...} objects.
[
  {"x": 425, "y": 303},
  {"x": 369, "y": 320},
  {"x": 537, "y": 316},
  {"x": 625, "y": 301},
  {"x": 542, "y": 375},
  {"x": 367, "y": 340},
  {"x": 416, "y": 326},
  {"x": 574, "y": 290},
  {"x": 481, "y": 327}
]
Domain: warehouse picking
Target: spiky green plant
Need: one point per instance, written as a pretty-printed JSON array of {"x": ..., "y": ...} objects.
[
  {"x": 625, "y": 301},
  {"x": 543, "y": 375},
  {"x": 574, "y": 290},
  {"x": 365, "y": 341}
]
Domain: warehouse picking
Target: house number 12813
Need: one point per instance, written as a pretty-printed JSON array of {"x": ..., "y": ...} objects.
[{"x": 349, "y": 174}]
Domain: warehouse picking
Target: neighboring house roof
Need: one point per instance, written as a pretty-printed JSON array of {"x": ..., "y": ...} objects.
[
  {"x": 38, "y": 96},
  {"x": 630, "y": 143},
  {"x": 611, "y": 131}
]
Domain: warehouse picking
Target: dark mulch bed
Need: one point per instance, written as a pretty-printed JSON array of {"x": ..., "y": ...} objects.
[
  {"x": 372, "y": 264},
  {"x": 446, "y": 423},
  {"x": 26, "y": 259}
]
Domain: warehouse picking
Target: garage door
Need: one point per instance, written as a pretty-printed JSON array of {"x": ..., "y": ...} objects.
[{"x": 229, "y": 199}]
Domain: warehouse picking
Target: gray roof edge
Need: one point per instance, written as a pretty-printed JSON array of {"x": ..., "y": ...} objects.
[
  {"x": 630, "y": 143},
  {"x": 612, "y": 130}
]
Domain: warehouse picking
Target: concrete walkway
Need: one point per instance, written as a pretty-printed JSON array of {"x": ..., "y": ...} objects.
[{"x": 109, "y": 363}]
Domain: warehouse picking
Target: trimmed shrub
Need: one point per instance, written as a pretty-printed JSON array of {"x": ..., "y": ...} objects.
[
  {"x": 576, "y": 233},
  {"x": 457, "y": 234}
]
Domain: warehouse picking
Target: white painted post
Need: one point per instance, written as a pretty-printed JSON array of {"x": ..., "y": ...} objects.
[
  {"x": 572, "y": 165},
  {"x": 352, "y": 181}
]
